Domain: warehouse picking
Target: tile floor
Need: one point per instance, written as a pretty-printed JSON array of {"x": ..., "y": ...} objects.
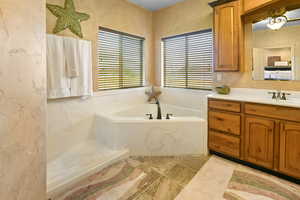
[
  {"x": 218, "y": 177},
  {"x": 181, "y": 178},
  {"x": 138, "y": 178}
]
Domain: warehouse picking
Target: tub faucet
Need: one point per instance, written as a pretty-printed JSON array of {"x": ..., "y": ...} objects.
[{"x": 158, "y": 110}]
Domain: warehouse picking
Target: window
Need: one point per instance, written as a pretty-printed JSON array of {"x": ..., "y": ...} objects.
[
  {"x": 120, "y": 60},
  {"x": 188, "y": 60}
]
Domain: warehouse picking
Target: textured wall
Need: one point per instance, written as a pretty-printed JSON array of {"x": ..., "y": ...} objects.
[
  {"x": 184, "y": 17},
  {"x": 22, "y": 100},
  {"x": 115, "y": 14}
]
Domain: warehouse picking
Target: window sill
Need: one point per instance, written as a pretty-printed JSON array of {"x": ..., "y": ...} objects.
[
  {"x": 117, "y": 91},
  {"x": 187, "y": 90}
]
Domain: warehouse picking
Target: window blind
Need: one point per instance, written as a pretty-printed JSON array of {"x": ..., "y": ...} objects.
[
  {"x": 120, "y": 60},
  {"x": 188, "y": 60}
]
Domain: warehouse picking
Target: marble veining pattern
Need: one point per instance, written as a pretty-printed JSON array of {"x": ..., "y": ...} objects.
[
  {"x": 22, "y": 100},
  {"x": 220, "y": 179},
  {"x": 137, "y": 178}
]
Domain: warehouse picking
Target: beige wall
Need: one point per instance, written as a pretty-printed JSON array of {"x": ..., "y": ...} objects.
[
  {"x": 115, "y": 14},
  {"x": 184, "y": 17},
  {"x": 22, "y": 100}
]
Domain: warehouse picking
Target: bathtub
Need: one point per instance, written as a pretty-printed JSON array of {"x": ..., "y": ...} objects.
[{"x": 184, "y": 134}]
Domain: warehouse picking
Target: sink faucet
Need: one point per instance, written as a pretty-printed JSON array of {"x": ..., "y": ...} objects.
[
  {"x": 159, "y": 117},
  {"x": 279, "y": 95}
]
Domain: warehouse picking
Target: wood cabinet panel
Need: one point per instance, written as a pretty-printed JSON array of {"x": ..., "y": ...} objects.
[
  {"x": 259, "y": 141},
  {"x": 254, "y": 4},
  {"x": 256, "y": 133},
  {"x": 224, "y": 144},
  {"x": 225, "y": 105},
  {"x": 289, "y": 160},
  {"x": 277, "y": 112},
  {"x": 230, "y": 123},
  {"x": 226, "y": 28}
]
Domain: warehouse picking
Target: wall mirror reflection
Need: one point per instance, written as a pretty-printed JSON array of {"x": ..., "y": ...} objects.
[{"x": 276, "y": 46}]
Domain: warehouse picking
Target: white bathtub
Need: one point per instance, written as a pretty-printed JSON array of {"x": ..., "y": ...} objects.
[{"x": 183, "y": 134}]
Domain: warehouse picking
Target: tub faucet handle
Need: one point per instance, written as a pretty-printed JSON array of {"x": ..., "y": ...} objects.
[
  {"x": 168, "y": 116},
  {"x": 150, "y": 116}
]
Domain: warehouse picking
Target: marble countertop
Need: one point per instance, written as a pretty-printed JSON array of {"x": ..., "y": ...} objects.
[{"x": 259, "y": 96}]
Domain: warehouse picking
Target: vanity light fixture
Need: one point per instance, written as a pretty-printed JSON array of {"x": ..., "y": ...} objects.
[
  {"x": 278, "y": 19},
  {"x": 276, "y": 23}
]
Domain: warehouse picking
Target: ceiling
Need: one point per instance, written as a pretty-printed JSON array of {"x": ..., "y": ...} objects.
[
  {"x": 154, "y": 4},
  {"x": 290, "y": 15}
]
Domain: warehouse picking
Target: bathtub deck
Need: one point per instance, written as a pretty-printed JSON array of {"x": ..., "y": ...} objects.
[{"x": 79, "y": 162}]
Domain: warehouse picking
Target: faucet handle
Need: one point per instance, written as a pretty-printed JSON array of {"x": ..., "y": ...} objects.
[
  {"x": 168, "y": 116},
  {"x": 283, "y": 97},
  {"x": 274, "y": 94},
  {"x": 150, "y": 116}
]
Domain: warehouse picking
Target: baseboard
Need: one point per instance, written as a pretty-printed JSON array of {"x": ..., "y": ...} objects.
[{"x": 274, "y": 173}]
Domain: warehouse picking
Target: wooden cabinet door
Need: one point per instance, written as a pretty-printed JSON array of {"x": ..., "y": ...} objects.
[
  {"x": 226, "y": 44},
  {"x": 254, "y": 4},
  {"x": 289, "y": 159},
  {"x": 259, "y": 141}
]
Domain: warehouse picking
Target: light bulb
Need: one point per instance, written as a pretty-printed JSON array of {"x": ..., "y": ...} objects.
[{"x": 276, "y": 23}]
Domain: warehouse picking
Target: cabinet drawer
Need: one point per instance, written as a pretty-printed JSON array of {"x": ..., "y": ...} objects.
[
  {"x": 226, "y": 144},
  {"x": 278, "y": 112},
  {"x": 230, "y": 123},
  {"x": 225, "y": 105}
]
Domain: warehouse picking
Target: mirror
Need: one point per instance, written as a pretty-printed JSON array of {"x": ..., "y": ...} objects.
[{"x": 276, "y": 47}]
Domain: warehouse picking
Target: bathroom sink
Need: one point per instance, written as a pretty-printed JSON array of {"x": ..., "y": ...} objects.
[{"x": 259, "y": 96}]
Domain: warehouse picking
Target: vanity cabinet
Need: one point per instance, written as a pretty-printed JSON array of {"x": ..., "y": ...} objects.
[
  {"x": 259, "y": 141},
  {"x": 289, "y": 159},
  {"x": 227, "y": 22},
  {"x": 264, "y": 135}
]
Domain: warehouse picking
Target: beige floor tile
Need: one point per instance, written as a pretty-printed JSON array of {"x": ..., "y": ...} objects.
[
  {"x": 210, "y": 182},
  {"x": 163, "y": 189},
  {"x": 141, "y": 186},
  {"x": 181, "y": 174},
  {"x": 161, "y": 164},
  {"x": 194, "y": 162}
]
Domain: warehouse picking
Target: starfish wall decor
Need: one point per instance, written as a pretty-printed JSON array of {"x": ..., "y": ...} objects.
[{"x": 68, "y": 18}]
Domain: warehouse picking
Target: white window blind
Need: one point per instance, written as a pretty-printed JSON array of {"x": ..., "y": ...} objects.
[
  {"x": 188, "y": 60},
  {"x": 120, "y": 60}
]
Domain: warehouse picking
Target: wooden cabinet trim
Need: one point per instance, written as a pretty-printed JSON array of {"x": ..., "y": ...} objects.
[
  {"x": 274, "y": 112},
  {"x": 232, "y": 106}
]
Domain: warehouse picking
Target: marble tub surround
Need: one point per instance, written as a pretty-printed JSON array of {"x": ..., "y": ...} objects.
[
  {"x": 259, "y": 96},
  {"x": 137, "y": 178},
  {"x": 216, "y": 180},
  {"x": 22, "y": 100},
  {"x": 183, "y": 134}
]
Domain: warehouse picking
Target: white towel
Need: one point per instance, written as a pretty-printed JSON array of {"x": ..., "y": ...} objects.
[
  {"x": 83, "y": 84},
  {"x": 72, "y": 56},
  {"x": 58, "y": 82}
]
